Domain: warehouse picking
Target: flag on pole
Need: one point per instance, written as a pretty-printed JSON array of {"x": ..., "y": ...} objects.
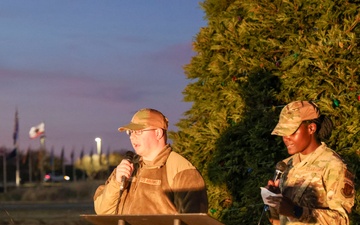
[
  {"x": 37, "y": 131},
  {"x": 16, "y": 127}
]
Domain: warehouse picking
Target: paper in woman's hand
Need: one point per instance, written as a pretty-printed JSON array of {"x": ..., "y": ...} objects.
[{"x": 266, "y": 193}]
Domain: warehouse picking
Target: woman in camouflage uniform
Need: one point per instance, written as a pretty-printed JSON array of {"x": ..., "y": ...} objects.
[{"x": 316, "y": 187}]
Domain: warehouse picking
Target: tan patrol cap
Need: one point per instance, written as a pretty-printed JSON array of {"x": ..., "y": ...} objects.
[
  {"x": 146, "y": 118},
  {"x": 293, "y": 114}
]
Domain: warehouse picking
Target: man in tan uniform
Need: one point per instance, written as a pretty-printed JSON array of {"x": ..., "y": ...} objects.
[{"x": 164, "y": 182}]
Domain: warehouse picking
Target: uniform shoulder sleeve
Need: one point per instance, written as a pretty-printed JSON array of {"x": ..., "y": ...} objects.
[
  {"x": 105, "y": 197},
  {"x": 176, "y": 164}
]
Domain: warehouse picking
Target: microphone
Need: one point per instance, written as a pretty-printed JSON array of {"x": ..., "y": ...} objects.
[
  {"x": 129, "y": 156},
  {"x": 279, "y": 170}
]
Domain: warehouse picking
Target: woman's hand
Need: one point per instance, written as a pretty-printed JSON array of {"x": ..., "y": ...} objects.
[
  {"x": 273, "y": 186},
  {"x": 282, "y": 205}
]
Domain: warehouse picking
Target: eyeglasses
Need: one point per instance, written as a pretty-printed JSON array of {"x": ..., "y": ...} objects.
[{"x": 136, "y": 132}]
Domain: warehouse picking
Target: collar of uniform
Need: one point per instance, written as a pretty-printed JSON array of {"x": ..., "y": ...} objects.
[
  {"x": 310, "y": 157},
  {"x": 160, "y": 159}
]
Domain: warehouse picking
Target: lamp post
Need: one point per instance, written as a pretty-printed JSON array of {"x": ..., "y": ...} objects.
[{"x": 98, "y": 146}]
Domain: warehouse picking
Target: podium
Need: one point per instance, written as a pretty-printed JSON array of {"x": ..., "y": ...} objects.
[{"x": 158, "y": 219}]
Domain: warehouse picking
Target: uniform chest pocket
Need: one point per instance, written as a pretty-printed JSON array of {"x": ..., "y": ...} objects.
[{"x": 305, "y": 187}]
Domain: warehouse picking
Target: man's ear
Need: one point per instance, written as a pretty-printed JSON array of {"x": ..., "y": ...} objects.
[{"x": 159, "y": 133}]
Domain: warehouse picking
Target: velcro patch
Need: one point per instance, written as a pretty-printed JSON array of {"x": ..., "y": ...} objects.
[
  {"x": 348, "y": 190},
  {"x": 150, "y": 181}
]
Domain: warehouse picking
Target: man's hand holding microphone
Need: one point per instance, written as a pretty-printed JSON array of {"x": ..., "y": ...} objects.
[{"x": 125, "y": 169}]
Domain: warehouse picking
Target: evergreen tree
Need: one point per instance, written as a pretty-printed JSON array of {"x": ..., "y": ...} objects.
[{"x": 253, "y": 57}]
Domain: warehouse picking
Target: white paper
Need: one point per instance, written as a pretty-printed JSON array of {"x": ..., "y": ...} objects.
[{"x": 266, "y": 193}]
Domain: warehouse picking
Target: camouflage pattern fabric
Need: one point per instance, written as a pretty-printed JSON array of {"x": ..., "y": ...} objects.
[
  {"x": 293, "y": 114},
  {"x": 322, "y": 185}
]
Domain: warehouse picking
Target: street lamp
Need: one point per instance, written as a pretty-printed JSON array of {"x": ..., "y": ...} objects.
[{"x": 98, "y": 146}]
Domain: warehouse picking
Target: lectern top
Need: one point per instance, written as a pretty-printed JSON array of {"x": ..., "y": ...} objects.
[{"x": 183, "y": 219}]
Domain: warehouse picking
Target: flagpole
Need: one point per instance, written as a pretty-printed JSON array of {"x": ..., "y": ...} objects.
[
  {"x": 16, "y": 146},
  {"x": 17, "y": 178},
  {"x": 81, "y": 164},
  {"x": 62, "y": 160},
  {"x": 52, "y": 161},
  {"x": 30, "y": 167},
  {"x": 73, "y": 165},
  {"x": 42, "y": 149},
  {"x": 39, "y": 131}
]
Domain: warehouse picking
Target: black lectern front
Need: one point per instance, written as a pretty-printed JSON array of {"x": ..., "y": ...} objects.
[{"x": 176, "y": 219}]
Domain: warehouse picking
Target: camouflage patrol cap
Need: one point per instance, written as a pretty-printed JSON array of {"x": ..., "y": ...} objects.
[{"x": 293, "y": 114}]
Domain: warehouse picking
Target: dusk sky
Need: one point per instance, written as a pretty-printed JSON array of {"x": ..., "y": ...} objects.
[{"x": 85, "y": 67}]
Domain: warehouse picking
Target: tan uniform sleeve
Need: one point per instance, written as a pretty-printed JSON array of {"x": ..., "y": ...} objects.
[
  {"x": 190, "y": 194},
  {"x": 106, "y": 196}
]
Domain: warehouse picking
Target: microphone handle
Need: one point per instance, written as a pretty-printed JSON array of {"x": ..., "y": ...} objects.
[
  {"x": 129, "y": 158},
  {"x": 277, "y": 175},
  {"x": 123, "y": 178},
  {"x": 122, "y": 184}
]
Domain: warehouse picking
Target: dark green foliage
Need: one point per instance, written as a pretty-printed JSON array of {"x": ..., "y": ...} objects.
[{"x": 254, "y": 57}]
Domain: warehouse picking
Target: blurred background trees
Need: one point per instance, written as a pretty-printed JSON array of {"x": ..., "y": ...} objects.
[{"x": 33, "y": 161}]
